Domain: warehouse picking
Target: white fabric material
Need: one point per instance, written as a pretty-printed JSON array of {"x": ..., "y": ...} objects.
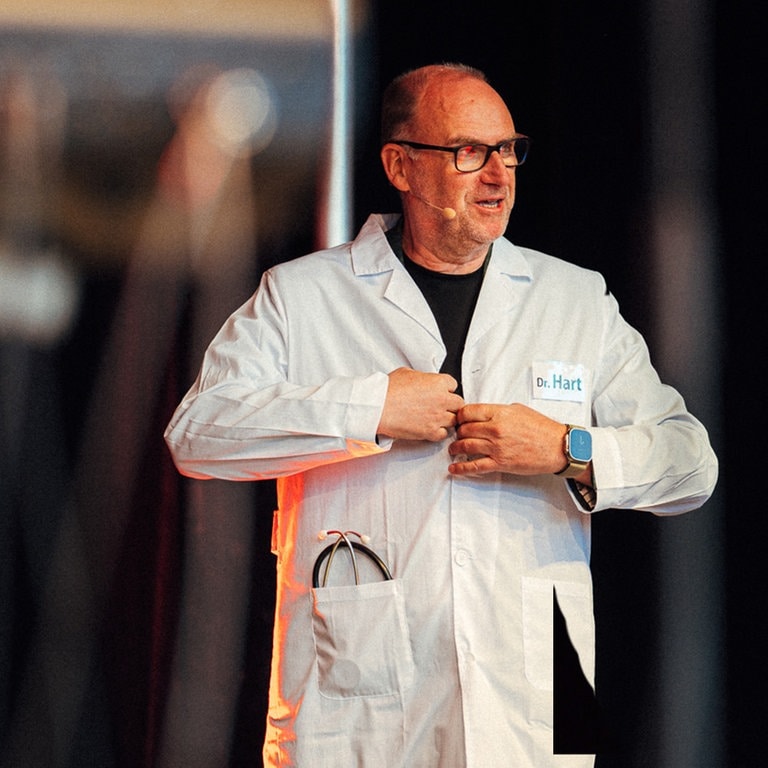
[{"x": 450, "y": 664}]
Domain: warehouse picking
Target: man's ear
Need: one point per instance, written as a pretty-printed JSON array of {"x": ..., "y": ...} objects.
[{"x": 393, "y": 159}]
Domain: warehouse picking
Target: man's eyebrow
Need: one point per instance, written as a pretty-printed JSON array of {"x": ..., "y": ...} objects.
[{"x": 462, "y": 141}]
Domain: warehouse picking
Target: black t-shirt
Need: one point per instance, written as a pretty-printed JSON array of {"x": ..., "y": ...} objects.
[{"x": 451, "y": 298}]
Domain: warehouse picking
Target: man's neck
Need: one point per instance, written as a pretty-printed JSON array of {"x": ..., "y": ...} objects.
[{"x": 442, "y": 259}]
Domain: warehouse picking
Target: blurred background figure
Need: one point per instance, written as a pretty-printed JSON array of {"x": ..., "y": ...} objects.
[
  {"x": 39, "y": 296},
  {"x": 38, "y": 288},
  {"x": 134, "y": 174}
]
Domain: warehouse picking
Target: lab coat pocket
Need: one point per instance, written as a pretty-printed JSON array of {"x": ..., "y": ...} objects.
[
  {"x": 538, "y": 626},
  {"x": 361, "y": 640}
]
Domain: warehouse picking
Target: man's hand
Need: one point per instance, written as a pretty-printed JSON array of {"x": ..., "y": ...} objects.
[
  {"x": 419, "y": 406},
  {"x": 507, "y": 438}
]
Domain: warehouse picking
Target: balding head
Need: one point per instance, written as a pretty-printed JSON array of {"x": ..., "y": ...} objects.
[{"x": 403, "y": 95}]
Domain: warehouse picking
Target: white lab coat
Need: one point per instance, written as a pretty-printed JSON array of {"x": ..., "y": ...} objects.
[{"x": 450, "y": 663}]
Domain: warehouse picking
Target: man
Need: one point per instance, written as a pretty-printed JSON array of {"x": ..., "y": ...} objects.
[{"x": 415, "y": 386}]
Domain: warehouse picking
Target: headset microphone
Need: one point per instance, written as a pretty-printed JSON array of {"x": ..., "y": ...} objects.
[{"x": 448, "y": 213}]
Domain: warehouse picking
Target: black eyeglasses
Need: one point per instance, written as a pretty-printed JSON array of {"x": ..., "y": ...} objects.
[{"x": 472, "y": 157}]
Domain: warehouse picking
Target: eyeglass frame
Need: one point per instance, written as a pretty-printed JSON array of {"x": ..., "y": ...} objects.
[{"x": 489, "y": 150}]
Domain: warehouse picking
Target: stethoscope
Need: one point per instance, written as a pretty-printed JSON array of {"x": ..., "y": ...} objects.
[{"x": 353, "y": 547}]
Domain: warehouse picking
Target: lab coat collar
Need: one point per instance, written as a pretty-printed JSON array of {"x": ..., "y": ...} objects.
[
  {"x": 507, "y": 273},
  {"x": 372, "y": 255}
]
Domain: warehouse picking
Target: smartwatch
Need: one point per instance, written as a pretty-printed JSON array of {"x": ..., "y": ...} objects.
[{"x": 578, "y": 451}]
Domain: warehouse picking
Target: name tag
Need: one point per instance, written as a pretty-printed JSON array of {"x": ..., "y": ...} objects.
[{"x": 555, "y": 380}]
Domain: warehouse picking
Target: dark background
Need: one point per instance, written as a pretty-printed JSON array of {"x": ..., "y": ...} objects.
[{"x": 576, "y": 78}]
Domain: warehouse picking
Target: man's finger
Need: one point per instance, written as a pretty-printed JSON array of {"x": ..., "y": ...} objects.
[
  {"x": 475, "y": 412},
  {"x": 472, "y": 467}
]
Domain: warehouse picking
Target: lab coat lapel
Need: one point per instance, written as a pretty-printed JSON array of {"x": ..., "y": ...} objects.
[
  {"x": 371, "y": 255},
  {"x": 507, "y": 276},
  {"x": 405, "y": 295}
]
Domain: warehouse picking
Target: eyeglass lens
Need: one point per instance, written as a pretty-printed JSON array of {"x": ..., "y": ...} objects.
[{"x": 474, "y": 156}]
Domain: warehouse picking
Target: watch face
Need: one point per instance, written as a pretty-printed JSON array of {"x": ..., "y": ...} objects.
[{"x": 580, "y": 444}]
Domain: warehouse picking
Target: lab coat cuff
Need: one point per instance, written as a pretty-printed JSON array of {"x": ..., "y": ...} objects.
[
  {"x": 365, "y": 407},
  {"x": 607, "y": 468}
]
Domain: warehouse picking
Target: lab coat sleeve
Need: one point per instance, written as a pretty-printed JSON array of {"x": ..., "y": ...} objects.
[
  {"x": 649, "y": 452},
  {"x": 243, "y": 419}
]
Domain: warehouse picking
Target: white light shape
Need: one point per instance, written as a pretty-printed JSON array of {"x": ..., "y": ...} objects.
[
  {"x": 39, "y": 295},
  {"x": 242, "y": 111}
]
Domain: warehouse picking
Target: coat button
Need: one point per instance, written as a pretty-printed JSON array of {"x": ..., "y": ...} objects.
[{"x": 461, "y": 557}]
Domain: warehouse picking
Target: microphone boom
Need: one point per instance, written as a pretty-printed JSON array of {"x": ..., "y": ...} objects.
[{"x": 448, "y": 213}]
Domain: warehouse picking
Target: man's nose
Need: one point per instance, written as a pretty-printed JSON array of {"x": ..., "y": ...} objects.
[{"x": 494, "y": 166}]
